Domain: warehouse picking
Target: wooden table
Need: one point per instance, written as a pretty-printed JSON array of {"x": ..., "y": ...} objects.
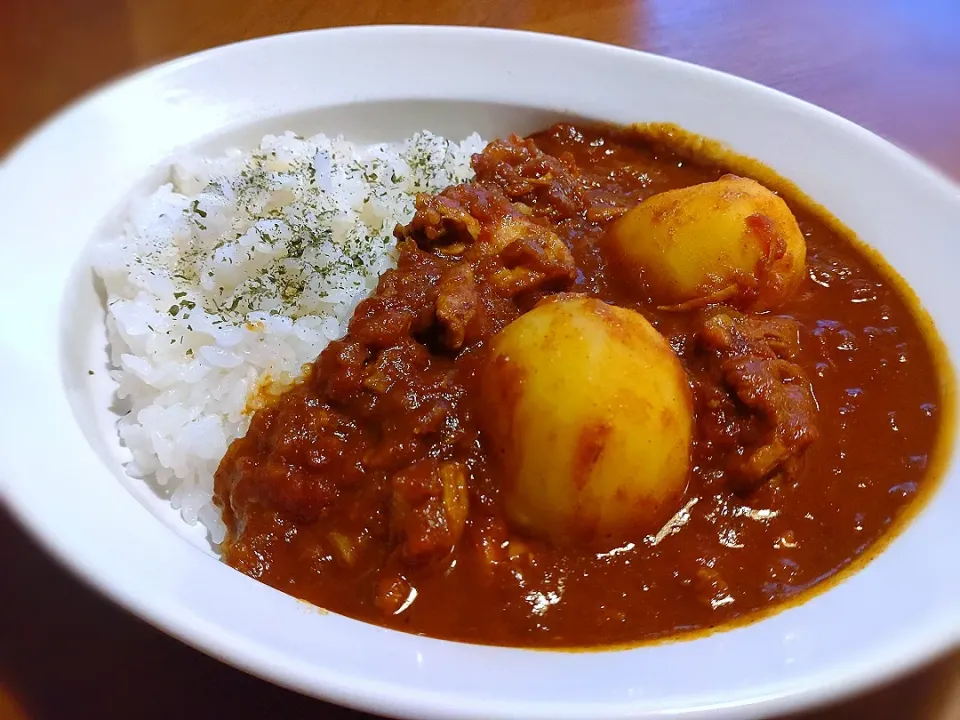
[{"x": 891, "y": 65}]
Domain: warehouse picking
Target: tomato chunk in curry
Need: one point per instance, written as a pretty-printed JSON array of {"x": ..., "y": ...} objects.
[{"x": 372, "y": 488}]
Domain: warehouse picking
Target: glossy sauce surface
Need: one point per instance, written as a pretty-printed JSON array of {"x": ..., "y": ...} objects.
[{"x": 307, "y": 494}]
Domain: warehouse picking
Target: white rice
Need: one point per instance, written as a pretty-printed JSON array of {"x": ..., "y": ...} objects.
[{"x": 236, "y": 274}]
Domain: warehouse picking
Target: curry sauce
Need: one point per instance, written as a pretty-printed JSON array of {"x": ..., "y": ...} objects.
[{"x": 369, "y": 488}]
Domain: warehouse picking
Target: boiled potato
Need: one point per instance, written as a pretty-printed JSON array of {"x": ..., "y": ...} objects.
[
  {"x": 588, "y": 412},
  {"x": 732, "y": 240}
]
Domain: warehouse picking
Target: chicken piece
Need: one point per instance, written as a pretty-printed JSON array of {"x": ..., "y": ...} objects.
[
  {"x": 441, "y": 221},
  {"x": 291, "y": 476},
  {"x": 533, "y": 257},
  {"x": 457, "y": 303},
  {"x": 429, "y": 509},
  {"x": 754, "y": 357},
  {"x": 480, "y": 225},
  {"x": 549, "y": 186}
]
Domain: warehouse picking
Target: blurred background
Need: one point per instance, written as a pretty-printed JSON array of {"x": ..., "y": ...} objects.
[{"x": 890, "y": 65}]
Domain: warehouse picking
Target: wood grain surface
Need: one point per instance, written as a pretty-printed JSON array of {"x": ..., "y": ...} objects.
[{"x": 890, "y": 65}]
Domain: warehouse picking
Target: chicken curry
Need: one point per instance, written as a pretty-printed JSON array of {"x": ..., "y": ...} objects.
[{"x": 612, "y": 392}]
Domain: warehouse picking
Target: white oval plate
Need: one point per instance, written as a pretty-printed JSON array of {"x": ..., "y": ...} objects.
[{"x": 61, "y": 475}]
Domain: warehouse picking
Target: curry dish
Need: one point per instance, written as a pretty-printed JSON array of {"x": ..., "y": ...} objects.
[{"x": 611, "y": 393}]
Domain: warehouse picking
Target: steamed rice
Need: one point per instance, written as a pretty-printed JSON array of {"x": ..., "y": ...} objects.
[{"x": 237, "y": 273}]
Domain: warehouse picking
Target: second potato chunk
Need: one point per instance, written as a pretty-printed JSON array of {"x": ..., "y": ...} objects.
[{"x": 731, "y": 240}]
